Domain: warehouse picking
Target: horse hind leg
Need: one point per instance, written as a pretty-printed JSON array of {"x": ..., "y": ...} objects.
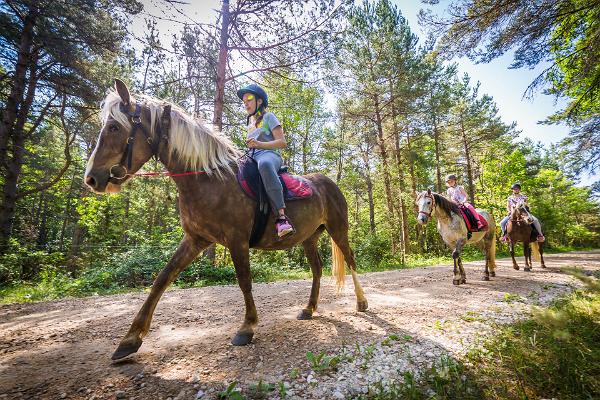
[
  {"x": 541, "y": 251},
  {"x": 489, "y": 248},
  {"x": 186, "y": 252},
  {"x": 311, "y": 251},
  {"x": 339, "y": 238}
]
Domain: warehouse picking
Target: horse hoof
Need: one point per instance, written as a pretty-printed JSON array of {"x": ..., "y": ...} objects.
[
  {"x": 242, "y": 339},
  {"x": 463, "y": 280},
  {"x": 304, "y": 315},
  {"x": 516, "y": 267},
  {"x": 125, "y": 349},
  {"x": 543, "y": 266},
  {"x": 456, "y": 281},
  {"x": 486, "y": 278},
  {"x": 527, "y": 269},
  {"x": 362, "y": 305},
  {"x": 492, "y": 274}
]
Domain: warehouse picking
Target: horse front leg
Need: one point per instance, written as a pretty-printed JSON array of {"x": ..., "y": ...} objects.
[
  {"x": 527, "y": 252},
  {"x": 186, "y": 252},
  {"x": 458, "y": 270},
  {"x": 463, "y": 274},
  {"x": 241, "y": 260},
  {"x": 511, "y": 246}
]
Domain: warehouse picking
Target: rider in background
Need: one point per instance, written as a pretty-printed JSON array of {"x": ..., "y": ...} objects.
[
  {"x": 457, "y": 194},
  {"x": 265, "y": 138},
  {"x": 513, "y": 200}
]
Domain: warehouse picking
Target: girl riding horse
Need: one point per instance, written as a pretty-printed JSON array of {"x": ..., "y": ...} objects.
[
  {"x": 457, "y": 194},
  {"x": 265, "y": 138},
  {"x": 512, "y": 201}
]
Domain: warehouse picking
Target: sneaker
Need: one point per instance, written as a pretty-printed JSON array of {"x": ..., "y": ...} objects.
[
  {"x": 504, "y": 238},
  {"x": 541, "y": 238},
  {"x": 283, "y": 226}
]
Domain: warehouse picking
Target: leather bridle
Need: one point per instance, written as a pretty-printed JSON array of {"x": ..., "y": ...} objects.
[
  {"x": 428, "y": 214},
  {"x": 135, "y": 119}
]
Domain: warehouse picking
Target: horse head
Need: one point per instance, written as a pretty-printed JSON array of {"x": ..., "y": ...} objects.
[
  {"x": 521, "y": 212},
  {"x": 426, "y": 204},
  {"x": 118, "y": 153}
]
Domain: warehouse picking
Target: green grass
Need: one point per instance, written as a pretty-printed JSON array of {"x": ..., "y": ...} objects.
[
  {"x": 446, "y": 379},
  {"x": 553, "y": 354}
]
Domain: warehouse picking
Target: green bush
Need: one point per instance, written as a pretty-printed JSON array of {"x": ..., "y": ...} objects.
[{"x": 21, "y": 263}]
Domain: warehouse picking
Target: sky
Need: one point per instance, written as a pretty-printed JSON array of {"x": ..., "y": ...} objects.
[{"x": 505, "y": 85}]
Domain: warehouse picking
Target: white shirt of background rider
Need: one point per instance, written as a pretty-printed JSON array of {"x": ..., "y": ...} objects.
[{"x": 457, "y": 194}]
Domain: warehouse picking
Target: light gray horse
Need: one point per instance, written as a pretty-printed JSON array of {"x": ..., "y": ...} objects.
[{"x": 452, "y": 227}]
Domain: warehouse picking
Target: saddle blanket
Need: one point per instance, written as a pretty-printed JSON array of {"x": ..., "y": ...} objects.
[
  {"x": 471, "y": 218},
  {"x": 294, "y": 187}
]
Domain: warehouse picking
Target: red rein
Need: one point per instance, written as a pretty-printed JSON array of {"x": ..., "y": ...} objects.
[{"x": 164, "y": 173}]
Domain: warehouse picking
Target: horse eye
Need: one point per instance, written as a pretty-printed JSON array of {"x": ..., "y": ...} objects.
[
  {"x": 113, "y": 128},
  {"x": 428, "y": 202}
]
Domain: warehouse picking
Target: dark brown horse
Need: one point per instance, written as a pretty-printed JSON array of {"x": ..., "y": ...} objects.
[
  {"x": 213, "y": 209},
  {"x": 518, "y": 230}
]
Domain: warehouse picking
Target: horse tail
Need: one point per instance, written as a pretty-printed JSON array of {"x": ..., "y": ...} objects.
[
  {"x": 338, "y": 269},
  {"x": 536, "y": 251}
]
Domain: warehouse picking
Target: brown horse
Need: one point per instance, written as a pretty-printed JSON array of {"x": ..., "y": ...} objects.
[
  {"x": 213, "y": 209},
  {"x": 518, "y": 230}
]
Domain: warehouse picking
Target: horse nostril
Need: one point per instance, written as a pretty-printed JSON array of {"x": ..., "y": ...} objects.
[{"x": 90, "y": 181}]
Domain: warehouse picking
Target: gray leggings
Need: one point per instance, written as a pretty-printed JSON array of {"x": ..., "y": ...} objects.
[
  {"x": 269, "y": 164},
  {"x": 536, "y": 223}
]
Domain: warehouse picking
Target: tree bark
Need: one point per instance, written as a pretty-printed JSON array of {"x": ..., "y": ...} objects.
[
  {"x": 405, "y": 238},
  {"x": 9, "y": 190},
  {"x": 438, "y": 170},
  {"x": 222, "y": 66},
  {"x": 210, "y": 252},
  {"x": 17, "y": 91},
  {"x": 386, "y": 169},
  {"x": 469, "y": 161},
  {"x": 369, "y": 182}
]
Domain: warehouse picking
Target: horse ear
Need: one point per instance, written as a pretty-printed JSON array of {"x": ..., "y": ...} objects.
[
  {"x": 123, "y": 92},
  {"x": 429, "y": 191}
]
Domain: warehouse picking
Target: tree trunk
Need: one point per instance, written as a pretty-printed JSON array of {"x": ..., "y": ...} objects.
[
  {"x": 9, "y": 190},
  {"x": 43, "y": 228},
  {"x": 67, "y": 212},
  {"x": 210, "y": 252},
  {"x": 438, "y": 170},
  {"x": 404, "y": 239},
  {"x": 386, "y": 169},
  {"x": 413, "y": 183},
  {"x": 469, "y": 161},
  {"x": 305, "y": 152},
  {"x": 437, "y": 142},
  {"x": 222, "y": 66},
  {"x": 15, "y": 98}
]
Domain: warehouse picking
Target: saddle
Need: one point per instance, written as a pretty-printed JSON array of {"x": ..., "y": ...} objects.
[
  {"x": 471, "y": 219},
  {"x": 294, "y": 188}
]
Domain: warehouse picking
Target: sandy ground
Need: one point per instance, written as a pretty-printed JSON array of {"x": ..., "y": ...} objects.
[{"x": 62, "y": 349}]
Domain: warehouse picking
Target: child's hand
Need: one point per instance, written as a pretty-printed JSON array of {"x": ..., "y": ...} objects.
[{"x": 253, "y": 143}]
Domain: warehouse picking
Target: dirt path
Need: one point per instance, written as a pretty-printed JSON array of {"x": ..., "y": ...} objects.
[{"x": 62, "y": 349}]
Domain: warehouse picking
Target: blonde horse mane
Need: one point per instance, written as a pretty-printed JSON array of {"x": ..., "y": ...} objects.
[{"x": 190, "y": 139}]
